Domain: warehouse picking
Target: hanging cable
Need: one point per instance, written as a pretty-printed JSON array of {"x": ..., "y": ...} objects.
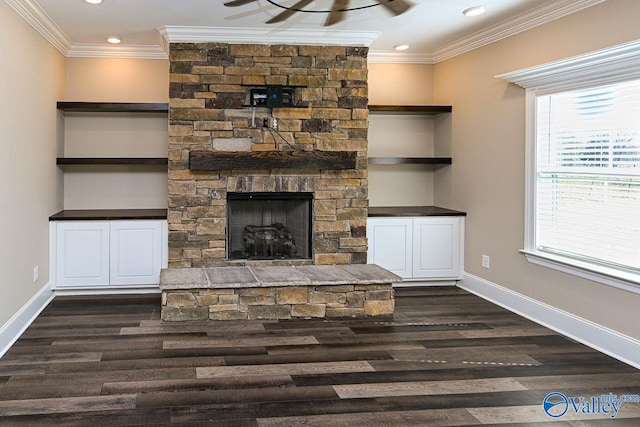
[{"x": 272, "y": 130}]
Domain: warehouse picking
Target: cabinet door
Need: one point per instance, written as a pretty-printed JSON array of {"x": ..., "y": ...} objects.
[
  {"x": 82, "y": 250},
  {"x": 136, "y": 252},
  {"x": 437, "y": 247},
  {"x": 390, "y": 244}
]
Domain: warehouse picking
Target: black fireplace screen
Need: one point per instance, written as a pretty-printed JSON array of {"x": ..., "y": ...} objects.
[{"x": 269, "y": 226}]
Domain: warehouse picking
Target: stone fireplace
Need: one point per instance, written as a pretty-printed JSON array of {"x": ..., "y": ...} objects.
[
  {"x": 219, "y": 146},
  {"x": 268, "y": 205}
]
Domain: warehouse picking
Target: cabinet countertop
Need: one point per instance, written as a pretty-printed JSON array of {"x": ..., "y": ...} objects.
[
  {"x": 405, "y": 211},
  {"x": 108, "y": 214}
]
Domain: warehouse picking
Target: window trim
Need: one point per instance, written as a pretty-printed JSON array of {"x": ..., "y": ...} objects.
[
  {"x": 608, "y": 276},
  {"x": 612, "y": 65}
]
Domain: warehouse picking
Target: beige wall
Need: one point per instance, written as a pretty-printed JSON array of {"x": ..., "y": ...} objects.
[
  {"x": 115, "y": 135},
  {"x": 400, "y": 84},
  {"x": 487, "y": 175},
  {"x": 31, "y": 81},
  {"x": 117, "y": 80}
]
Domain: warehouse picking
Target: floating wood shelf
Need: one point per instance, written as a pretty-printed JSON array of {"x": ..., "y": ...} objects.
[
  {"x": 409, "y": 160},
  {"x": 113, "y": 107},
  {"x": 108, "y": 214},
  {"x": 149, "y": 161},
  {"x": 263, "y": 160},
  {"x": 413, "y": 109}
]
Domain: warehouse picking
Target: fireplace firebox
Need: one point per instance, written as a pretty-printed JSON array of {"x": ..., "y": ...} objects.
[{"x": 269, "y": 226}]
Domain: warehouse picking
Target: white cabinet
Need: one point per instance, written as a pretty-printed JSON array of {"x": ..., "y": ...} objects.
[
  {"x": 83, "y": 253},
  {"x": 391, "y": 244},
  {"x": 135, "y": 255},
  {"x": 93, "y": 254},
  {"x": 437, "y": 247},
  {"x": 418, "y": 248}
]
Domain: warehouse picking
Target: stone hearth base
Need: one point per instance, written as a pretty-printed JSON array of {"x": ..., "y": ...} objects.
[{"x": 277, "y": 292}]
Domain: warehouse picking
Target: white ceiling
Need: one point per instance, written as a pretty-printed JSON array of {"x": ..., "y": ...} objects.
[{"x": 435, "y": 29}]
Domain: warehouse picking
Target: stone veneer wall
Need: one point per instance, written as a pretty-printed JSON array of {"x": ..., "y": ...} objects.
[{"x": 209, "y": 84}]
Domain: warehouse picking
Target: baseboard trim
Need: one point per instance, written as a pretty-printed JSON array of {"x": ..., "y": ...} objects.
[
  {"x": 598, "y": 337},
  {"x": 15, "y": 327},
  {"x": 424, "y": 283},
  {"x": 152, "y": 289}
]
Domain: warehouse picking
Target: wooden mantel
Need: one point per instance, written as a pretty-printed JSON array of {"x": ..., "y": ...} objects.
[{"x": 256, "y": 160}]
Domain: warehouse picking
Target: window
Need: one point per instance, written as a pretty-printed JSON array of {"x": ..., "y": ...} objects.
[
  {"x": 587, "y": 178},
  {"x": 583, "y": 165}
]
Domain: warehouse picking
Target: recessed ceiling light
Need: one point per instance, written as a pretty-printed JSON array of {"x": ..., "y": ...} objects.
[
  {"x": 113, "y": 39},
  {"x": 401, "y": 47},
  {"x": 93, "y": 1},
  {"x": 474, "y": 11}
]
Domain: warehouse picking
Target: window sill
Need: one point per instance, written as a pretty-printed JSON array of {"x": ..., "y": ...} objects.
[{"x": 608, "y": 276}]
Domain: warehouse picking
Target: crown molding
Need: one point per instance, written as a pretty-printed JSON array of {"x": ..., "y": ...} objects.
[
  {"x": 393, "y": 57},
  {"x": 86, "y": 50},
  {"x": 42, "y": 23},
  {"x": 610, "y": 65},
  {"x": 540, "y": 15},
  {"x": 313, "y": 37}
]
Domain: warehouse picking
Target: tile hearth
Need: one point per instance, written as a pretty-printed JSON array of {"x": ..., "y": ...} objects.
[{"x": 277, "y": 292}]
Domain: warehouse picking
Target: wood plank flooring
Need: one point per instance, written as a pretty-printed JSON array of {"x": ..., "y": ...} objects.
[{"x": 446, "y": 358}]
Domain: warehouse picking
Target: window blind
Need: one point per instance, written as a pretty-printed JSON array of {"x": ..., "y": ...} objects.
[{"x": 588, "y": 175}]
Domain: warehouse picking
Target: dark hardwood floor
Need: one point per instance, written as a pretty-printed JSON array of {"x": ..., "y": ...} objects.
[{"x": 447, "y": 358}]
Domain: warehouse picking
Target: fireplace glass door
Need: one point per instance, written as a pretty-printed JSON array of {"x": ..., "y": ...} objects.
[{"x": 269, "y": 226}]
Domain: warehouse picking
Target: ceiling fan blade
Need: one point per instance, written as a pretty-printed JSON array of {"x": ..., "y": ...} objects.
[
  {"x": 235, "y": 3},
  {"x": 289, "y": 12},
  {"x": 397, "y": 7},
  {"x": 338, "y": 12}
]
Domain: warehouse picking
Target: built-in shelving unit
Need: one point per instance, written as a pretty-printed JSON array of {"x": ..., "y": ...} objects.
[
  {"x": 112, "y": 158},
  {"x": 422, "y": 244},
  {"x": 425, "y": 110},
  {"x": 112, "y": 164},
  {"x": 112, "y": 107}
]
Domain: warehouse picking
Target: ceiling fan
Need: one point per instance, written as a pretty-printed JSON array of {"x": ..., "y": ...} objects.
[{"x": 336, "y": 13}]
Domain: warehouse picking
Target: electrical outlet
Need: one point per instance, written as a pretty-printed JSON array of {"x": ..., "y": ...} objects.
[
  {"x": 270, "y": 122},
  {"x": 36, "y": 273},
  {"x": 486, "y": 261}
]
